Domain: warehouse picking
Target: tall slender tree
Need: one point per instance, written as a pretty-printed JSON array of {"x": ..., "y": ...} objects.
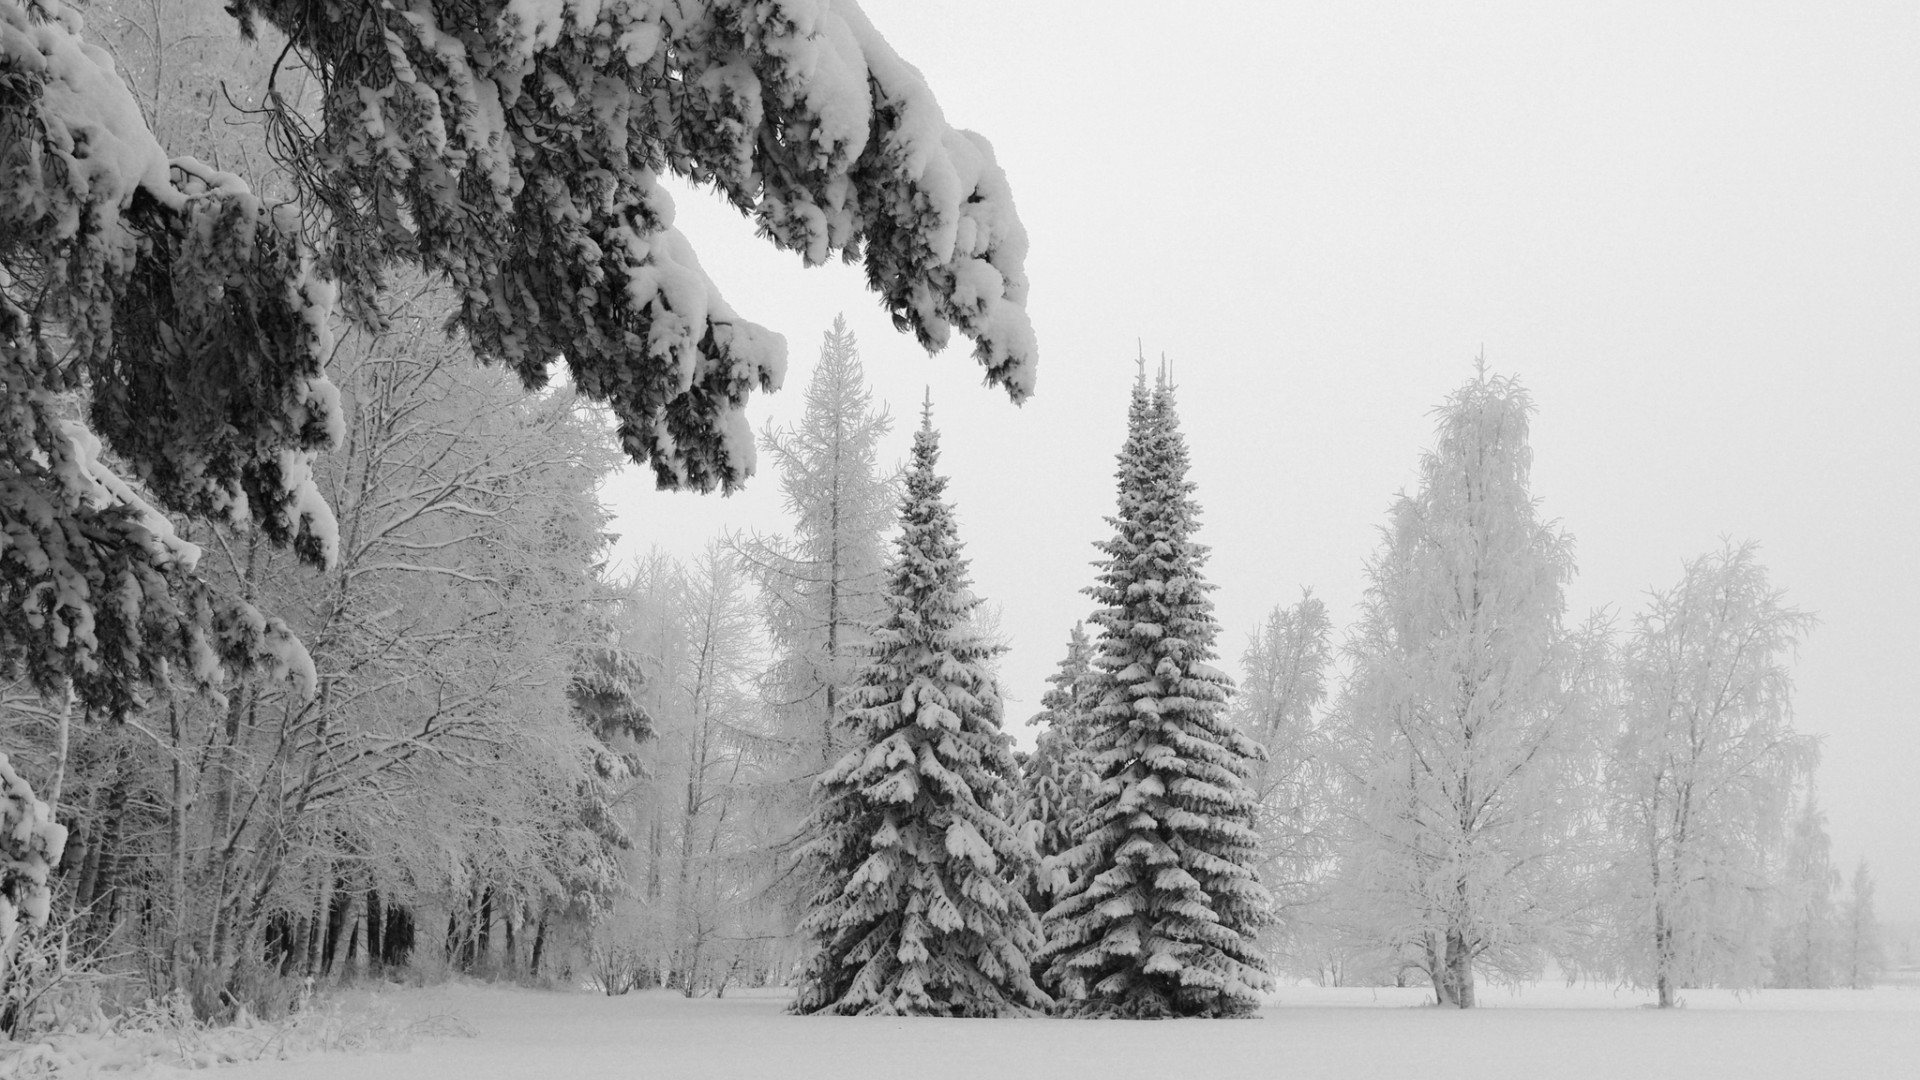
[
  {"x": 1460, "y": 725},
  {"x": 1861, "y": 950},
  {"x": 1160, "y": 915},
  {"x": 822, "y": 587},
  {"x": 920, "y": 911}
]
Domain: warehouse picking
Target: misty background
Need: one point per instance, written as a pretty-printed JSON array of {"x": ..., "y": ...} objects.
[{"x": 1691, "y": 231}]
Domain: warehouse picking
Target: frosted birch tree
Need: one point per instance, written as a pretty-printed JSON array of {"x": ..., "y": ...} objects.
[
  {"x": 1702, "y": 778},
  {"x": 1464, "y": 734},
  {"x": 1283, "y": 687},
  {"x": 920, "y": 910}
]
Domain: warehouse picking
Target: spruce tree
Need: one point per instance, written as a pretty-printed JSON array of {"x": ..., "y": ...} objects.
[
  {"x": 1057, "y": 785},
  {"x": 920, "y": 912},
  {"x": 1160, "y": 915}
]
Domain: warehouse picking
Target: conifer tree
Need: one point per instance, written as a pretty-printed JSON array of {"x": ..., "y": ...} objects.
[
  {"x": 1160, "y": 914},
  {"x": 1057, "y": 784},
  {"x": 920, "y": 912}
]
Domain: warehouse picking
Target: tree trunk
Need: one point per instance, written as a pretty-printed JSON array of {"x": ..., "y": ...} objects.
[
  {"x": 374, "y": 956},
  {"x": 539, "y": 945},
  {"x": 509, "y": 955},
  {"x": 1458, "y": 974},
  {"x": 322, "y": 910},
  {"x": 342, "y": 928},
  {"x": 1662, "y": 956},
  {"x": 483, "y": 928},
  {"x": 177, "y": 847}
]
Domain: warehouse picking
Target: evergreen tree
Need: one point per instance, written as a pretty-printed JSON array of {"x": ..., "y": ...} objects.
[
  {"x": 1160, "y": 914},
  {"x": 512, "y": 153},
  {"x": 920, "y": 912},
  {"x": 1057, "y": 784},
  {"x": 1861, "y": 951}
]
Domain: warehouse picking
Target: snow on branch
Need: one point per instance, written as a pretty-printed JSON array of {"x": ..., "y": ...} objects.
[
  {"x": 515, "y": 146},
  {"x": 30, "y": 846},
  {"x": 185, "y": 313}
]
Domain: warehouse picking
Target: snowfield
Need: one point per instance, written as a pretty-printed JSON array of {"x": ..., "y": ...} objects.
[{"x": 1307, "y": 1032}]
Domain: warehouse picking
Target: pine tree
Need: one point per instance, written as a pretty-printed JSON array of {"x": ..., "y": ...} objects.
[
  {"x": 1160, "y": 915},
  {"x": 920, "y": 912},
  {"x": 1057, "y": 784}
]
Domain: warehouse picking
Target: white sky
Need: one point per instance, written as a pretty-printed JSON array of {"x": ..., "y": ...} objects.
[{"x": 1693, "y": 230}]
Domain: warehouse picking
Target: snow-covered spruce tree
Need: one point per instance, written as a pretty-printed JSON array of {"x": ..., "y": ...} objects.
[
  {"x": 511, "y": 149},
  {"x": 1702, "y": 778},
  {"x": 1462, "y": 731},
  {"x": 920, "y": 911},
  {"x": 1056, "y": 787},
  {"x": 1160, "y": 914}
]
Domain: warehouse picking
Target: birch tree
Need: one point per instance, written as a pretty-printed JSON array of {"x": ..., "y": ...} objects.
[
  {"x": 1702, "y": 778},
  {"x": 1464, "y": 735},
  {"x": 1279, "y": 703}
]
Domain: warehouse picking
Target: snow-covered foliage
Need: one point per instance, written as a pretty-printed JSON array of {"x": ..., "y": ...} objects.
[
  {"x": 185, "y": 308},
  {"x": 1463, "y": 725},
  {"x": 30, "y": 846},
  {"x": 1058, "y": 781},
  {"x": 920, "y": 910},
  {"x": 1160, "y": 915},
  {"x": 1701, "y": 781},
  {"x": 515, "y": 146}
]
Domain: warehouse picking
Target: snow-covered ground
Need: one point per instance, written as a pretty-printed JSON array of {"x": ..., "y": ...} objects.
[{"x": 1546, "y": 1031}]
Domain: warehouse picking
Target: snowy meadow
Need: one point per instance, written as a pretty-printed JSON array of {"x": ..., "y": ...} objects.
[{"x": 1582, "y": 1033}]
